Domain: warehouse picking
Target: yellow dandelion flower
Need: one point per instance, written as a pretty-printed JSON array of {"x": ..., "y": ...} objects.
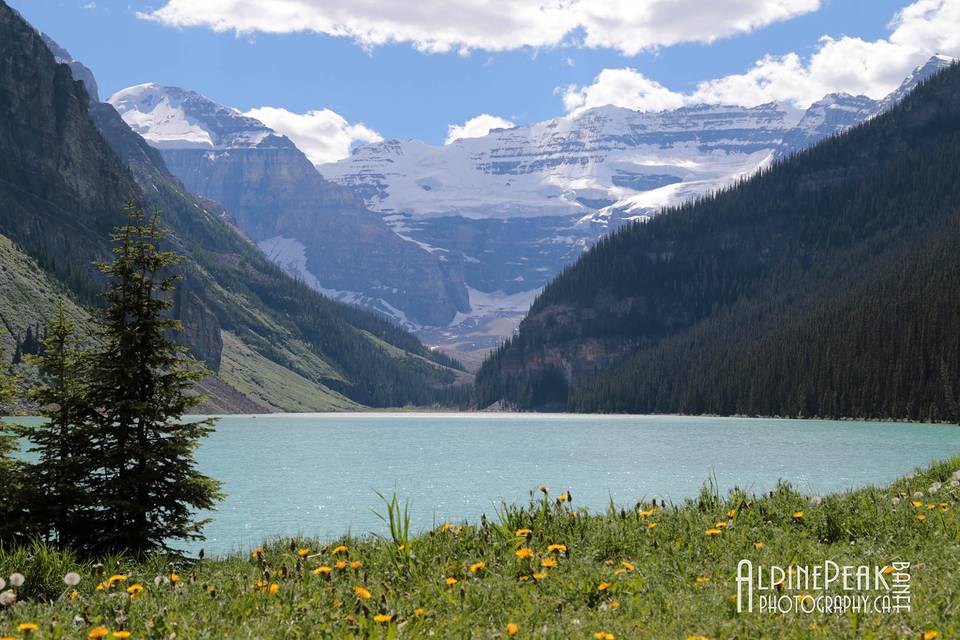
[
  {"x": 446, "y": 526},
  {"x": 134, "y": 590},
  {"x": 916, "y": 503},
  {"x": 703, "y": 578},
  {"x": 340, "y": 565},
  {"x": 887, "y": 570},
  {"x": 543, "y": 489},
  {"x": 563, "y": 497},
  {"x": 27, "y": 627},
  {"x": 651, "y": 525},
  {"x": 697, "y": 638},
  {"x": 121, "y": 634},
  {"x": 604, "y": 635},
  {"x": 732, "y": 513},
  {"x": 524, "y": 578},
  {"x": 798, "y": 515},
  {"x": 930, "y": 635},
  {"x": 458, "y": 529},
  {"x": 274, "y": 588},
  {"x": 322, "y": 571},
  {"x": 117, "y": 577},
  {"x": 758, "y": 545},
  {"x": 355, "y": 565},
  {"x": 512, "y": 629},
  {"x": 451, "y": 581},
  {"x": 174, "y": 578},
  {"x": 538, "y": 575},
  {"x": 303, "y": 552},
  {"x": 615, "y": 604},
  {"x": 548, "y": 563},
  {"x": 523, "y": 533},
  {"x": 362, "y": 593},
  {"x": 712, "y": 532},
  {"x": 603, "y": 586},
  {"x": 257, "y": 553},
  {"x": 74, "y": 594},
  {"x": 720, "y": 525},
  {"x": 477, "y": 566},
  {"x": 921, "y": 517},
  {"x": 419, "y": 612},
  {"x": 557, "y": 548},
  {"x": 524, "y": 552},
  {"x": 338, "y": 550},
  {"x": 382, "y": 618},
  {"x": 944, "y": 507},
  {"x": 628, "y": 565},
  {"x": 97, "y": 632}
]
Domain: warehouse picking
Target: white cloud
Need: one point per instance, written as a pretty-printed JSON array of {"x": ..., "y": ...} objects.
[
  {"x": 476, "y": 127},
  {"x": 460, "y": 25},
  {"x": 853, "y": 65},
  {"x": 324, "y": 135}
]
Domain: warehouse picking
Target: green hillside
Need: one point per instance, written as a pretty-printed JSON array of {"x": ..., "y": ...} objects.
[{"x": 826, "y": 285}]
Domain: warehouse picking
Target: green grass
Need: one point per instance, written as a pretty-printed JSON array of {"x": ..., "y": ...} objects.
[
  {"x": 258, "y": 377},
  {"x": 656, "y": 594}
]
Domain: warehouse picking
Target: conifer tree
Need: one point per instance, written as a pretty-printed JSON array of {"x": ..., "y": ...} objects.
[
  {"x": 60, "y": 501},
  {"x": 11, "y": 518},
  {"x": 149, "y": 486}
]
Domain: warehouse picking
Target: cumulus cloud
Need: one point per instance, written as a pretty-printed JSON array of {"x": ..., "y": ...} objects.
[
  {"x": 476, "y": 127},
  {"x": 857, "y": 66},
  {"x": 629, "y": 26},
  {"x": 324, "y": 135}
]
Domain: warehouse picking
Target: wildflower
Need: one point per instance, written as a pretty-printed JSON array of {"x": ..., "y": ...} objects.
[
  {"x": 720, "y": 525},
  {"x": 604, "y": 635},
  {"x": 538, "y": 575},
  {"x": 338, "y": 550},
  {"x": 446, "y": 526},
  {"x": 523, "y": 533},
  {"x": 712, "y": 532},
  {"x": 74, "y": 594},
  {"x": 615, "y": 604},
  {"x": 703, "y": 578},
  {"x": 557, "y": 548},
  {"x": 798, "y": 515},
  {"x": 732, "y": 513},
  {"x": 563, "y": 497},
  {"x": 355, "y": 565},
  {"x": 257, "y": 553},
  {"x": 17, "y": 580},
  {"x": 921, "y": 517},
  {"x": 524, "y": 578},
  {"x": 419, "y": 612},
  {"x": 97, "y": 632},
  {"x": 7, "y": 598},
  {"x": 916, "y": 503},
  {"x": 340, "y": 565},
  {"x": 944, "y": 507},
  {"x": 758, "y": 545},
  {"x": 887, "y": 570},
  {"x": 115, "y": 578},
  {"x": 628, "y": 565},
  {"x": 303, "y": 553},
  {"x": 930, "y": 635},
  {"x": 72, "y": 579},
  {"x": 274, "y": 588},
  {"x": 382, "y": 618},
  {"x": 697, "y": 638},
  {"x": 524, "y": 552},
  {"x": 121, "y": 634},
  {"x": 603, "y": 586},
  {"x": 548, "y": 563},
  {"x": 322, "y": 571},
  {"x": 651, "y": 525},
  {"x": 477, "y": 566},
  {"x": 25, "y": 627},
  {"x": 896, "y": 500},
  {"x": 451, "y": 581},
  {"x": 362, "y": 593},
  {"x": 174, "y": 578},
  {"x": 918, "y": 495},
  {"x": 934, "y": 488},
  {"x": 3, "y": 583},
  {"x": 134, "y": 590},
  {"x": 512, "y": 629},
  {"x": 543, "y": 489},
  {"x": 458, "y": 529},
  {"x": 816, "y": 500}
]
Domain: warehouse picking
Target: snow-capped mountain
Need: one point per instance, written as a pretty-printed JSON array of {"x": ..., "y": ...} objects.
[
  {"x": 316, "y": 230},
  {"x": 467, "y": 233}
]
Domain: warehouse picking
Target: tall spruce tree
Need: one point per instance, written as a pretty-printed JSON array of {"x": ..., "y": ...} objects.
[
  {"x": 148, "y": 486},
  {"x": 60, "y": 479},
  {"x": 12, "y": 520}
]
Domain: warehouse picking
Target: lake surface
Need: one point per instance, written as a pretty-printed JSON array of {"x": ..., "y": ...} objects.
[{"x": 316, "y": 474}]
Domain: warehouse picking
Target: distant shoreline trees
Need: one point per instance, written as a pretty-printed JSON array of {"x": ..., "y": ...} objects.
[{"x": 112, "y": 466}]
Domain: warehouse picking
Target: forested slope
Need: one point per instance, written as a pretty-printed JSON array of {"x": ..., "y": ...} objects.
[{"x": 827, "y": 285}]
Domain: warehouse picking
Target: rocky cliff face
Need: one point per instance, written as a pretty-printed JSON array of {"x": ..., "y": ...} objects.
[{"x": 316, "y": 230}]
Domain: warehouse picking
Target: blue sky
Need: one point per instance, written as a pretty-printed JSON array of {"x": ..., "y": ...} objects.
[{"x": 402, "y": 92}]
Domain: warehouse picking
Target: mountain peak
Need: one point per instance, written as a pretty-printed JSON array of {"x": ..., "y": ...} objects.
[
  {"x": 175, "y": 118},
  {"x": 78, "y": 69}
]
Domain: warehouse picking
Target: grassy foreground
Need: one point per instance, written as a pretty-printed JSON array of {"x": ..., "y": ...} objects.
[{"x": 546, "y": 570}]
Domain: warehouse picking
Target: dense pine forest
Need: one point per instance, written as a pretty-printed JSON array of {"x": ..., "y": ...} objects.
[{"x": 826, "y": 285}]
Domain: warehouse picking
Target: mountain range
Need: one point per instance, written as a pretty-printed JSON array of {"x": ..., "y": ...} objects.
[
  {"x": 67, "y": 166},
  {"x": 455, "y": 241},
  {"x": 825, "y": 285}
]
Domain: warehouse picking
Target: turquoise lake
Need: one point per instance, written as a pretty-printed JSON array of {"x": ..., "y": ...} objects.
[{"x": 315, "y": 475}]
